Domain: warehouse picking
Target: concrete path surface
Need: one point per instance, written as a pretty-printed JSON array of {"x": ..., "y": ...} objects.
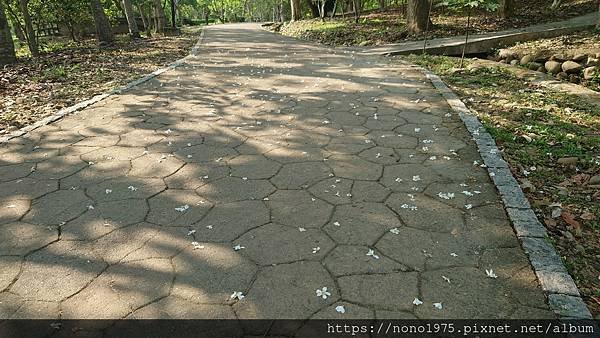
[{"x": 265, "y": 178}]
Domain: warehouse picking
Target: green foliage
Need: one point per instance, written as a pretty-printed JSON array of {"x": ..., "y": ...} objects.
[{"x": 461, "y": 5}]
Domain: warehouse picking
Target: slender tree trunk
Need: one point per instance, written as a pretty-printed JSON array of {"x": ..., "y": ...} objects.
[
  {"x": 314, "y": 9},
  {"x": 356, "y": 4},
  {"x": 417, "y": 16},
  {"x": 29, "y": 32},
  {"x": 7, "y": 47},
  {"x": 130, "y": 14},
  {"x": 462, "y": 58},
  {"x": 159, "y": 17},
  {"x": 280, "y": 9},
  {"x": 173, "y": 15},
  {"x": 144, "y": 22},
  {"x": 382, "y": 4},
  {"x": 296, "y": 13},
  {"x": 598, "y": 18},
  {"x": 18, "y": 30},
  {"x": 334, "y": 9},
  {"x": 505, "y": 8},
  {"x": 103, "y": 31}
]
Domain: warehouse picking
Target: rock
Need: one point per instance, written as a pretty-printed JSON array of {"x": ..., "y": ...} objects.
[
  {"x": 571, "y": 67},
  {"x": 594, "y": 180},
  {"x": 514, "y": 62},
  {"x": 562, "y": 76},
  {"x": 568, "y": 236},
  {"x": 541, "y": 69},
  {"x": 579, "y": 57},
  {"x": 534, "y": 65},
  {"x": 592, "y": 62},
  {"x": 540, "y": 58},
  {"x": 558, "y": 58},
  {"x": 527, "y": 186},
  {"x": 364, "y": 43},
  {"x": 553, "y": 67},
  {"x": 568, "y": 160},
  {"x": 589, "y": 72},
  {"x": 527, "y": 59},
  {"x": 580, "y": 248},
  {"x": 574, "y": 78},
  {"x": 507, "y": 54}
]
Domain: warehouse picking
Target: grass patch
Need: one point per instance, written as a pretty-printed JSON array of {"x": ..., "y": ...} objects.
[{"x": 537, "y": 129}]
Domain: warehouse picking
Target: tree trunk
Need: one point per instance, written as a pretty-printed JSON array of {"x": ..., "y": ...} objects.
[
  {"x": 18, "y": 30},
  {"x": 144, "y": 22},
  {"x": 29, "y": 32},
  {"x": 7, "y": 48},
  {"x": 598, "y": 18},
  {"x": 381, "y": 5},
  {"x": 505, "y": 8},
  {"x": 173, "y": 15},
  {"x": 130, "y": 14},
  {"x": 296, "y": 13},
  {"x": 314, "y": 8},
  {"x": 103, "y": 32},
  {"x": 356, "y": 4},
  {"x": 159, "y": 17},
  {"x": 417, "y": 15}
]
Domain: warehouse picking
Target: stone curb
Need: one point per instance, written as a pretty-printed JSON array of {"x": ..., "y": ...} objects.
[
  {"x": 84, "y": 104},
  {"x": 563, "y": 296}
]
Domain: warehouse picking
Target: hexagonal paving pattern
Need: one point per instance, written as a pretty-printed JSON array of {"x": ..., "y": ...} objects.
[
  {"x": 291, "y": 244},
  {"x": 361, "y": 223},
  {"x": 260, "y": 179},
  {"x": 298, "y": 208}
]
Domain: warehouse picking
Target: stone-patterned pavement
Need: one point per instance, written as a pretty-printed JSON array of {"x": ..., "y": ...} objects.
[{"x": 265, "y": 166}]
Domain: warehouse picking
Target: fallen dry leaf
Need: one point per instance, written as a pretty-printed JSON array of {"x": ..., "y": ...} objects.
[{"x": 570, "y": 219}]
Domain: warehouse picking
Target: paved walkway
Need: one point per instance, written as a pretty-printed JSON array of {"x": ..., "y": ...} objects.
[
  {"x": 304, "y": 181},
  {"x": 487, "y": 42}
]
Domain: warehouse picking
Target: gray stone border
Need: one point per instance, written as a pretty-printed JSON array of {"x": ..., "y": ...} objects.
[
  {"x": 84, "y": 104},
  {"x": 563, "y": 296}
]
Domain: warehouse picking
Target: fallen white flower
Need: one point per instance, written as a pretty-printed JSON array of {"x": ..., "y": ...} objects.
[
  {"x": 340, "y": 309},
  {"x": 446, "y": 196},
  {"x": 323, "y": 293},
  {"x": 238, "y": 247},
  {"x": 490, "y": 273},
  {"x": 437, "y": 305},
  {"x": 182, "y": 208},
  {"x": 372, "y": 253},
  {"x": 417, "y": 301},
  {"x": 395, "y": 231},
  {"x": 237, "y": 295}
]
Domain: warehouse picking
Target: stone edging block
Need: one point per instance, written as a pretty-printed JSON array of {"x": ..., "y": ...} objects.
[{"x": 563, "y": 297}]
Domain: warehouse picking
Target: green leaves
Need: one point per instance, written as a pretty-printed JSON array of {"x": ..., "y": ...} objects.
[{"x": 461, "y": 5}]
